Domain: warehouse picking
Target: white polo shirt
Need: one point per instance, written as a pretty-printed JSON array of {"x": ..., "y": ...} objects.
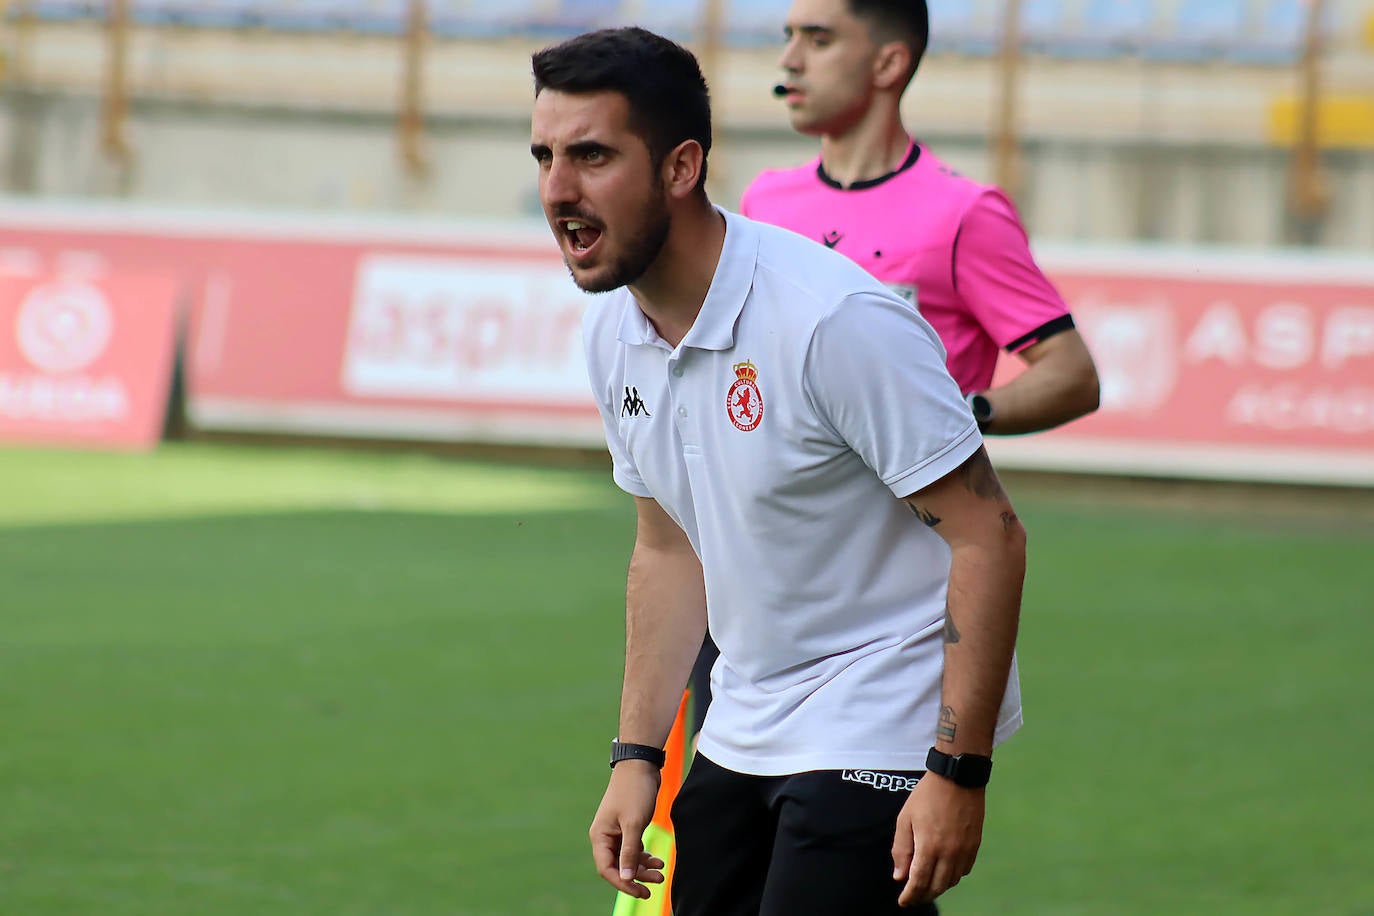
[{"x": 780, "y": 434}]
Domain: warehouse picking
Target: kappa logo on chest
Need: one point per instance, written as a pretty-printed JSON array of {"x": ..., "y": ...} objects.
[{"x": 633, "y": 405}]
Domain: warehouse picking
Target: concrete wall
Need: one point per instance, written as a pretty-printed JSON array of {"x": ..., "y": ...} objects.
[{"x": 256, "y": 157}]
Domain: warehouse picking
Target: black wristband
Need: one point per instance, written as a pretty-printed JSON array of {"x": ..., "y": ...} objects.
[
  {"x": 972, "y": 771},
  {"x": 622, "y": 751}
]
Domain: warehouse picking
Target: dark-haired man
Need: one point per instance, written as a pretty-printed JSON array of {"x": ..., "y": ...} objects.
[{"x": 808, "y": 477}]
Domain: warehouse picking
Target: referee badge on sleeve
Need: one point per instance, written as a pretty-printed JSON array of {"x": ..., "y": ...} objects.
[{"x": 744, "y": 403}]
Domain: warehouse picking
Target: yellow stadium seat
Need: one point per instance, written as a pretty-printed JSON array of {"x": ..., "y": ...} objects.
[{"x": 1345, "y": 121}]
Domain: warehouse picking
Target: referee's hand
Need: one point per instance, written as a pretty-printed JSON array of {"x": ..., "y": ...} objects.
[
  {"x": 938, "y": 834},
  {"x": 617, "y": 832}
]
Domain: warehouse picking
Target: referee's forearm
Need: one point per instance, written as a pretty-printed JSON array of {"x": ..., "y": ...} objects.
[{"x": 665, "y": 623}]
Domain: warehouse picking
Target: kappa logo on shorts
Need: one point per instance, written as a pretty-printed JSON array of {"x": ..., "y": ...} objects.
[
  {"x": 892, "y": 782},
  {"x": 744, "y": 402}
]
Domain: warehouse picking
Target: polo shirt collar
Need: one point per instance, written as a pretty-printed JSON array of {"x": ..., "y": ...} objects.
[{"x": 714, "y": 328}]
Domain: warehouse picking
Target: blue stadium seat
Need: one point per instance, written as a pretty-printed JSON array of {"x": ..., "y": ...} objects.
[
  {"x": 1114, "y": 27},
  {"x": 1044, "y": 25},
  {"x": 1276, "y": 36},
  {"x": 60, "y": 10},
  {"x": 962, "y": 27},
  {"x": 378, "y": 17},
  {"x": 573, "y": 16},
  {"x": 755, "y": 22},
  {"x": 1200, "y": 30},
  {"x": 214, "y": 14},
  {"x": 483, "y": 18},
  {"x": 300, "y": 15},
  {"x": 677, "y": 19}
]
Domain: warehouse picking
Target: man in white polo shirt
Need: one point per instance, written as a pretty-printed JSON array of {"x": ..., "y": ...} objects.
[{"x": 807, "y": 476}]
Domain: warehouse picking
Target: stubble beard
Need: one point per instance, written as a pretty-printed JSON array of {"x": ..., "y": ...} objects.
[{"x": 644, "y": 247}]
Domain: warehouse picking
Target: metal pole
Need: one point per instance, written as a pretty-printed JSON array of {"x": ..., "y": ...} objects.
[
  {"x": 410, "y": 120},
  {"x": 114, "y": 142},
  {"x": 711, "y": 33},
  {"x": 1005, "y": 159},
  {"x": 1309, "y": 195}
]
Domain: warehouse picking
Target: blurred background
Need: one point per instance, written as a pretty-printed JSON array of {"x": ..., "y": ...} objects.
[
  {"x": 1174, "y": 120},
  {"x": 311, "y": 570}
]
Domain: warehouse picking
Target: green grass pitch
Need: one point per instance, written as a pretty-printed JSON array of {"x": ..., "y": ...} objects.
[{"x": 256, "y": 681}]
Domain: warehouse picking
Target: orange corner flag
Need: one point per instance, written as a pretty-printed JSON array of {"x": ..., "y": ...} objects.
[{"x": 658, "y": 837}]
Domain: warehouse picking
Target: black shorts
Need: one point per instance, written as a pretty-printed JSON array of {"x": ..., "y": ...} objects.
[{"x": 812, "y": 844}]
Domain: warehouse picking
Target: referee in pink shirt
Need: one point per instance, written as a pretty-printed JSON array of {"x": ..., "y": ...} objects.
[{"x": 954, "y": 247}]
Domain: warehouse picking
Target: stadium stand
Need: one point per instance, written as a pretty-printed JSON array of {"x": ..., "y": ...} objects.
[
  {"x": 1274, "y": 35},
  {"x": 1199, "y": 30},
  {"x": 963, "y": 27},
  {"x": 1112, "y": 28},
  {"x": 678, "y": 19},
  {"x": 1244, "y": 32}
]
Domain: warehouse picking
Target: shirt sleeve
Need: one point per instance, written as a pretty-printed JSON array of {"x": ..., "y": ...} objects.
[
  {"x": 875, "y": 371},
  {"x": 997, "y": 278}
]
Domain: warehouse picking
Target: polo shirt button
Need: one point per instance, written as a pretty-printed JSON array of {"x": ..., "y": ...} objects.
[
  {"x": 682, "y": 411},
  {"x": 678, "y": 372}
]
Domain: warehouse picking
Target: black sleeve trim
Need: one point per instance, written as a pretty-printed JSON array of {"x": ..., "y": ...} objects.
[
  {"x": 953, "y": 255},
  {"x": 1044, "y": 332}
]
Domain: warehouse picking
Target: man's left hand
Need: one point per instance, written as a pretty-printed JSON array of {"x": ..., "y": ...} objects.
[{"x": 938, "y": 834}]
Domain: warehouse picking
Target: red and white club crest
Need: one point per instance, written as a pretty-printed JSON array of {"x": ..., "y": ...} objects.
[{"x": 744, "y": 403}]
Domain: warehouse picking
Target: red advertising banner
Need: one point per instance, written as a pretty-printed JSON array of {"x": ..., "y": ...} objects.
[
  {"x": 455, "y": 332},
  {"x": 1251, "y": 373},
  {"x": 1213, "y": 364},
  {"x": 85, "y": 360}
]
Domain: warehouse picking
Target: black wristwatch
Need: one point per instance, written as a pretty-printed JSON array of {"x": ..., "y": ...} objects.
[
  {"x": 982, "y": 410},
  {"x": 622, "y": 751},
  {"x": 968, "y": 770}
]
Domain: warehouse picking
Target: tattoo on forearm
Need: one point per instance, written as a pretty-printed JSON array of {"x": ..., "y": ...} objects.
[
  {"x": 925, "y": 515},
  {"x": 980, "y": 477},
  {"x": 951, "y": 631},
  {"x": 947, "y": 728}
]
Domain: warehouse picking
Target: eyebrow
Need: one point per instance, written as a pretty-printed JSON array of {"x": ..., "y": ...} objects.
[
  {"x": 580, "y": 148},
  {"x": 811, "y": 30}
]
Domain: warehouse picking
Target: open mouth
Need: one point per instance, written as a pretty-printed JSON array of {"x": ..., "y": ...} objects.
[{"x": 581, "y": 236}]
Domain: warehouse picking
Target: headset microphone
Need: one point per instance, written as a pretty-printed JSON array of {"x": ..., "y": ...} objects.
[{"x": 780, "y": 90}]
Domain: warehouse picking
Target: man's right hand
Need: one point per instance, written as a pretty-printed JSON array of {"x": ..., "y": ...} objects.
[{"x": 617, "y": 832}]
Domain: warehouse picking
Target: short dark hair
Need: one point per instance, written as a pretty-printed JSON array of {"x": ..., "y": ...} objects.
[
  {"x": 662, "y": 81},
  {"x": 900, "y": 20}
]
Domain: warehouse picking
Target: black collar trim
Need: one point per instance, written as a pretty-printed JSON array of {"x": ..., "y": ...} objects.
[{"x": 907, "y": 163}]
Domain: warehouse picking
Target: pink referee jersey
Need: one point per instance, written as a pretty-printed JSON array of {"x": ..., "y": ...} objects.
[{"x": 954, "y": 247}]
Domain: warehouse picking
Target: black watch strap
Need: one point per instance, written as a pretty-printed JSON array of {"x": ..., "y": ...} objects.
[
  {"x": 982, "y": 409},
  {"x": 623, "y": 751},
  {"x": 972, "y": 771}
]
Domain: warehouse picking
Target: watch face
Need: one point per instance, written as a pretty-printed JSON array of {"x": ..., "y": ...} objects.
[{"x": 973, "y": 770}]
